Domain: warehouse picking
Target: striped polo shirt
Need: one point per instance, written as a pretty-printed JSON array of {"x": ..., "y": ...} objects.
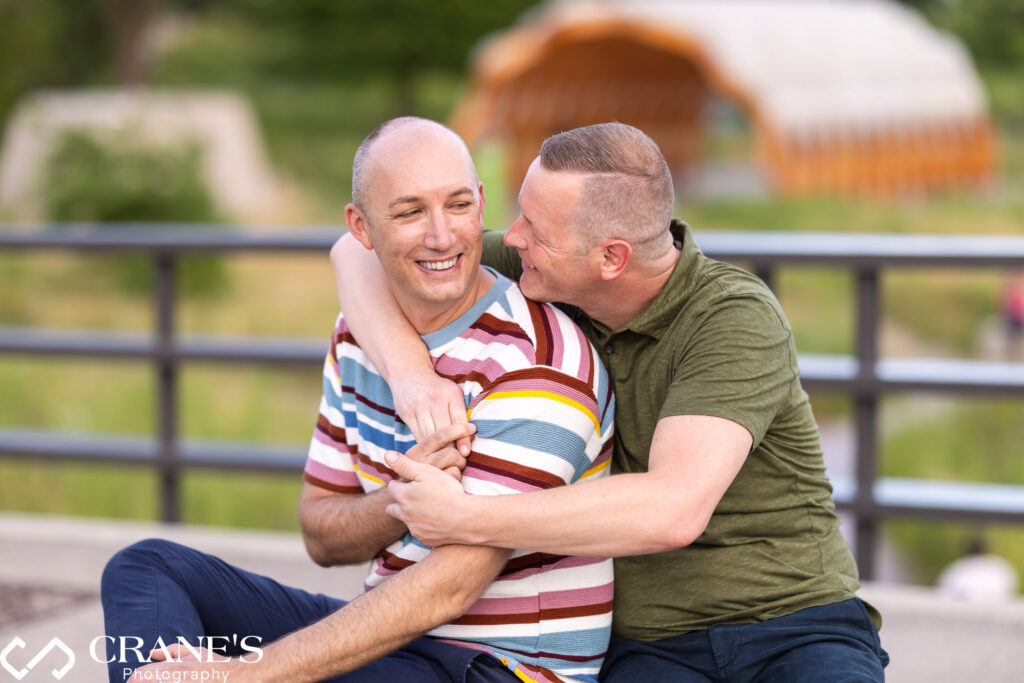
[{"x": 543, "y": 408}]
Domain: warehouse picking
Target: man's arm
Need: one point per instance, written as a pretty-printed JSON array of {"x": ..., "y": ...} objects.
[
  {"x": 693, "y": 460},
  {"x": 345, "y": 528},
  {"x": 423, "y": 400},
  {"x": 432, "y": 592}
]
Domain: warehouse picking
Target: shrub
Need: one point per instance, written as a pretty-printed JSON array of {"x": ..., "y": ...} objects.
[{"x": 108, "y": 180}]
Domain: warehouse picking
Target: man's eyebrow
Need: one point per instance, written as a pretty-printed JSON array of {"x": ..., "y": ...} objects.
[{"x": 412, "y": 199}]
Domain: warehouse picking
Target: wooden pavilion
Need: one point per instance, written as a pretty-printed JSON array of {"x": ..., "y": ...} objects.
[{"x": 852, "y": 97}]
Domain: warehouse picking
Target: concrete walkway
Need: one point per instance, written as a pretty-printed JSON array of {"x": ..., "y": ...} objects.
[{"x": 930, "y": 638}]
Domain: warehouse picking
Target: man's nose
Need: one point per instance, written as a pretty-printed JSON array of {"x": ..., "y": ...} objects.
[
  {"x": 513, "y": 236},
  {"x": 440, "y": 232}
]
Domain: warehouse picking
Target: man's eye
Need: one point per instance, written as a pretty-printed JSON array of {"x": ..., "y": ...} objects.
[
  {"x": 408, "y": 214},
  {"x": 461, "y": 205}
]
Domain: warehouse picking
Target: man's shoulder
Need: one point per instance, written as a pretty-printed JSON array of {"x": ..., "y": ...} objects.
[{"x": 556, "y": 339}]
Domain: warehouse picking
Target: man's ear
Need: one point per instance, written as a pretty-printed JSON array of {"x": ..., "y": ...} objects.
[
  {"x": 614, "y": 256},
  {"x": 483, "y": 201},
  {"x": 357, "y": 225}
]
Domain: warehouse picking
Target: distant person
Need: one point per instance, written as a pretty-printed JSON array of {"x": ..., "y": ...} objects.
[
  {"x": 729, "y": 561},
  {"x": 979, "y": 576},
  {"x": 541, "y": 405},
  {"x": 1013, "y": 311}
]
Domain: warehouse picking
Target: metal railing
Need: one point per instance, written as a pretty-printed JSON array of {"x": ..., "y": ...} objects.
[{"x": 863, "y": 376}]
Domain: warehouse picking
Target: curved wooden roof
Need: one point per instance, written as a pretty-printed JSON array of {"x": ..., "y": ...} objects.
[{"x": 843, "y": 95}]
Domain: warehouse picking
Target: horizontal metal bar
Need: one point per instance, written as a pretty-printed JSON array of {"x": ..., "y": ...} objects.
[
  {"x": 818, "y": 371},
  {"x": 941, "y": 375},
  {"x": 233, "y": 456},
  {"x": 927, "y": 499},
  {"x": 44, "y": 444},
  {"x": 758, "y": 248},
  {"x": 136, "y": 346},
  {"x": 168, "y": 237},
  {"x": 141, "y": 451},
  {"x": 864, "y": 249}
]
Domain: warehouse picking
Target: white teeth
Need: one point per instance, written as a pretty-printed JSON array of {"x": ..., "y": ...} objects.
[{"x": 439, "y": 265}]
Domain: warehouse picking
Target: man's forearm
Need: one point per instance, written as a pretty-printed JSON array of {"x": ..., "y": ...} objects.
[
  {"x": 627, "y": 514},
  {"x": 346, "y": 529},
  {"x": 433, "y": 592},
  {"x": 373, "y": 315},
  {"x": 693, "y": 461}
]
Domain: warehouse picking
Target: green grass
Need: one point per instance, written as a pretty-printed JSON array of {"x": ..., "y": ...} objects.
[{"x": 977, "y": 441}]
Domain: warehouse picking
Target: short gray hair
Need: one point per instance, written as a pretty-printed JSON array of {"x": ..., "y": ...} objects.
[{"x": 628, "y": 193}]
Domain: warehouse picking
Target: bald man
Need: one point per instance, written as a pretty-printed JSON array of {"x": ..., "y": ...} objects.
[{"x": 541, "y": 414}]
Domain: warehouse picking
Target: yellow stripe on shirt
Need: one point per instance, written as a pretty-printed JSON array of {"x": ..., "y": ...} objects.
[
  {"x": 369, "y": 476},
  {"x": 539, "y": 393}
]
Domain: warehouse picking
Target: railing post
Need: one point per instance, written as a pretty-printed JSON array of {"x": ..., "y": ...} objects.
[
  {"x": 168, "y": 466},
  {"x": 866, "y": 420},
  {"x": 767, "y": 275}
]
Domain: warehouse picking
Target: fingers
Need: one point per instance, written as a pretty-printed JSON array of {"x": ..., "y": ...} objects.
[
  {"x": 443, "y": 459},
  {"x": 405, "y": 467},
  {"x": 425, "y": 425},
  {"x": 457, "y": 415},
  {"x": 454, "y": 472}
]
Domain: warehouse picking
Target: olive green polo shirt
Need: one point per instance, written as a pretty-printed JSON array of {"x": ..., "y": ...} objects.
[{"x": 715, "y": 342}]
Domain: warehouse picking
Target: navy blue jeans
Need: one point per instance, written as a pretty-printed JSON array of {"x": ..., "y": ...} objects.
[
  {"x": 835, "y": 643},
  {"x": 159, "y": 589}
]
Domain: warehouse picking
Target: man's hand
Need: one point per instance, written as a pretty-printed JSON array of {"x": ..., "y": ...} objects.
[
  {"x": 427, "y": 403},
  {"x": 429, "y": 503},
  {"x": 436, "y": 450}
]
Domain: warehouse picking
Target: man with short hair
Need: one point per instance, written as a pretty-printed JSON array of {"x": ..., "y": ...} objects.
[
  {"x": 729, "y": 561},
  {"x": 541, "y": 409}
]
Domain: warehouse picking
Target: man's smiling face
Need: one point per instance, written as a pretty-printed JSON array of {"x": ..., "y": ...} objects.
[
  {"x": 554, "y": 266},
  {"x": 424, "y": 218}
]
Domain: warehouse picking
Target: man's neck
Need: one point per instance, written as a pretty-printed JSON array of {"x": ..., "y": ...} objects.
[
  {"x": 431, "y": 318},
  {"x": 624, "y": 298}
]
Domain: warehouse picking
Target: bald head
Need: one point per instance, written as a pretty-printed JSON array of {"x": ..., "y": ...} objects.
[{"x": 388, "y": 136}]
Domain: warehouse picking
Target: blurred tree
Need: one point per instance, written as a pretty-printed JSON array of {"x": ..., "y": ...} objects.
[
  {"x": 127, "y": 21},
  {"x": 48, "y": 44},
  {"x": 325, "y": 40},
  {"x": 992, "y": 29}
]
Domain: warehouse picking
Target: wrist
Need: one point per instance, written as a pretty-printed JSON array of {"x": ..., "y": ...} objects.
[{"x": 472, "y": 527}]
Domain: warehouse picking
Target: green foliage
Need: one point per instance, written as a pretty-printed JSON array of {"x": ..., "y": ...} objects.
[
  {"x": 48, "y": 44},
  {"x": 328, "y": 42},
  {"x": 89, "y": 179},
  {"x": 109, "y": 180},
  {"x": 992, "y": 29},
  {"x": 325, "y": 40}
]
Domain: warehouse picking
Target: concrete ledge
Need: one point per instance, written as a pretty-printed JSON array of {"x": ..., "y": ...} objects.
[{"x": 929, "y": 637}]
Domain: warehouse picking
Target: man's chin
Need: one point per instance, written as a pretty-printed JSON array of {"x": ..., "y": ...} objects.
[{"x": 533, "y": 292}]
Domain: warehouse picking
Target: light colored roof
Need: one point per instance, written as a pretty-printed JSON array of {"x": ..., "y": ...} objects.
[
  {"x": 813, "y": 75},
  {"x": 808, "y": 63}
]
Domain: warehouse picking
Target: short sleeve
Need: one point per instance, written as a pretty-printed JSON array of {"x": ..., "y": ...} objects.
[
  {"x": 502, "y": 258},
  {"x": 329, "y": 462},
  {"x": 536, "y": 429},
  {"x": 738, "y": 363}
]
